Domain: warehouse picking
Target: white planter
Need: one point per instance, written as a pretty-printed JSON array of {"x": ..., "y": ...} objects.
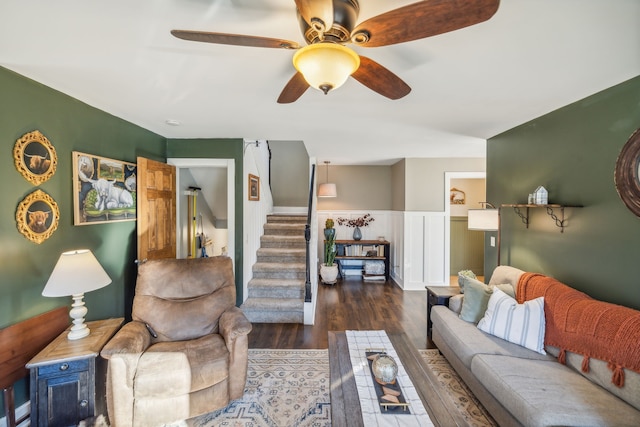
[{"x": 329, "y": 273}]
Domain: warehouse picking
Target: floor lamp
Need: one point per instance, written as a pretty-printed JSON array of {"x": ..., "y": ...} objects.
[{"x": 486, "y": 219}]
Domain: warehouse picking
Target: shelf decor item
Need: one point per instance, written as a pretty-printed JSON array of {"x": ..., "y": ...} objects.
[
  {"x": 357, "y": 234},
  {"x": 540, "y": 196},
  {"x": 356, "y": 223}
]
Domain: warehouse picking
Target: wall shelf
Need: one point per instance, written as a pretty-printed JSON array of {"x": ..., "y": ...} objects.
[{"x": 559, "y": 220}]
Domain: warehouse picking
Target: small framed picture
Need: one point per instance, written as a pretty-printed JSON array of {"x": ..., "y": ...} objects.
[
  {"x": 37, "y": 216},
  {"x": 35, "y": 158},
  {"x": 254, "y": 187}
]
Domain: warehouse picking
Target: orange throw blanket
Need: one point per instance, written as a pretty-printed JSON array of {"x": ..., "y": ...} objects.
[{"x": 577, "y": 323}]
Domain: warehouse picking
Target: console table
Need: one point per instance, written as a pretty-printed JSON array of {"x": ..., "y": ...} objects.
[{"x": 348, "y": 250}]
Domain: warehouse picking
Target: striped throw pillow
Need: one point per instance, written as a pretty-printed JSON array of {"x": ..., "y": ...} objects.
[{"x": 521, "y": 324}]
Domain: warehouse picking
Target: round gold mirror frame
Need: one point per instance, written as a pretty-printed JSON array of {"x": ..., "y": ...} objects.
[
  {"x": 37, "y": 216},
  {"x": 35, "y": 157},
  {"x": 627, "y": 174}
]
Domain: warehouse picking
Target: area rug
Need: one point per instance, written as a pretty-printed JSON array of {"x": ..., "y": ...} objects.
[
  {"x": 291, "y": 388},
  {"x": 284, "y": 388},
  {"x": 453, "y": 388}
]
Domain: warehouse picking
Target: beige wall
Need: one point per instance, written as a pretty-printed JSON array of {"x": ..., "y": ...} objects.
[
  {"x": 359, "y": 187},
  {"x": 424, "y": 180},
  {"x": 289, "y": 173},
  {"x": 475, "y": 191},
  {"x": 398, "y": 185}
]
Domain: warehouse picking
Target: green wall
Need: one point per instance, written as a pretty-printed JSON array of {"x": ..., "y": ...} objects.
[
  {"x": 25, "y": 266},
  {"x": 219, "y": 148},
  {"x": 572, "y": 152}
]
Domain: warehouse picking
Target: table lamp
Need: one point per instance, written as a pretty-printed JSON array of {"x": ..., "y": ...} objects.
[{"x": 75, "y": 273}]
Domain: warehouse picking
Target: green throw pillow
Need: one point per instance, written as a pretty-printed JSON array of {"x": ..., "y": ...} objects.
[{"x": 476, "y": 298}]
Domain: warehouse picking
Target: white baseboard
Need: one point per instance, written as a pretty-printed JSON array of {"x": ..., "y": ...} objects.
[{"x": 21, "y": 411}]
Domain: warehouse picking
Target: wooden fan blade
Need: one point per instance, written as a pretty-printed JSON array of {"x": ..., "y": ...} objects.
[
  {"x": 234, "y": 39},
  {"x": 294, "y": 89},
  {"x": 423, "y": 19},
  {"x": 322, "y": 10},
  {"x": 379, "y": 79}
]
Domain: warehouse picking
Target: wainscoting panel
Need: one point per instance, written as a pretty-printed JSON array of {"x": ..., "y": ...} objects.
[{"x": 424, "y": 250}]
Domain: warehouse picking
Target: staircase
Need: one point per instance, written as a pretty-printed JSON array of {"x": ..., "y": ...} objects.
[{"x": 276, "y": 291}]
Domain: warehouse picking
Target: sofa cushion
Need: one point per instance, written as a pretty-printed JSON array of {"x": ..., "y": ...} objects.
[
  {"x": 600, "y": 374},
  {"x": 547, "y": 393},
  {"x": 521, "y": 324},
  {"x": 181, "y": 367},
  {"x": 506, "y": 274},
  {"x": 476, "y": 299},
  {"x": 466, "y": 340}
]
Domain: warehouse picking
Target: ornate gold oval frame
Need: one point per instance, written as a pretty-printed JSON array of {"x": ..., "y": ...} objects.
[
  {"x": 37, "y": 216},
  {"x": 627, "y": 174},
  {"x": 35, "y": 157}
]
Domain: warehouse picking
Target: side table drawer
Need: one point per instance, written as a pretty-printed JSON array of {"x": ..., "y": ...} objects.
[{"x": 64, "y": 367}]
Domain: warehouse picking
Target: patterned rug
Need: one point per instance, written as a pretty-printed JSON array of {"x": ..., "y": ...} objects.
[
  {"x": 457, "y": 391},
  {"x": 291, "y": 388}
]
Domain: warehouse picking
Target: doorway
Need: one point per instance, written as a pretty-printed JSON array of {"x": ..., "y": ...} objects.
[
  {"x": 463, "y": 249},
  {"x": 212, "y": 183}
]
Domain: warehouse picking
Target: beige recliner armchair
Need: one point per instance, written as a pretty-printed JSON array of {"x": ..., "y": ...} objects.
[{"x": 185, "y": 351}]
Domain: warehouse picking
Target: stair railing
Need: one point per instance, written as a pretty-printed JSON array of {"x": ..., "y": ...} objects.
[{"x": 307, "y": 238}]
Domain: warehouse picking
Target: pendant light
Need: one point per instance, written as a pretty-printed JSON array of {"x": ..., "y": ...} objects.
[{"x": 327, "y": 189}]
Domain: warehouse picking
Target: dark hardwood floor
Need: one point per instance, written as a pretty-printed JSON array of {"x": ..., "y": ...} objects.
[{"x": 351, "y": 304}]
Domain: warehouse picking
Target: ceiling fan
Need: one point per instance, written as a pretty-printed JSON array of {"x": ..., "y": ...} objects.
[{"x": 327, "y": 25}]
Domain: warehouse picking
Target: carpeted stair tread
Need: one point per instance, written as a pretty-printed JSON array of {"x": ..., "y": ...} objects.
[
  {"x": 287, "y": 219},
  {"x": 283, "y": 229},
  {"x": 281, "y": 255},
  {"x": 279, "y": 266},
  {"x": 274, "y": 310},
  {"x": 276, "y": 288},
  {"x": 276, "y": 241}
]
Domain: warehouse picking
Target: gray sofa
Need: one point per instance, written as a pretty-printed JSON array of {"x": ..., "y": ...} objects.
[{"x": 519, "y": 386}]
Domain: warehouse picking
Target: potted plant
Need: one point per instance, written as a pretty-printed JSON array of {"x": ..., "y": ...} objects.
[
  {"x": 329, "y": 269},
  {"x": 328, "y": 229}
]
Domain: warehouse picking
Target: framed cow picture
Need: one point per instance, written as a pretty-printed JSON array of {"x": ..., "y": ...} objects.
[
  {"x": 37, "y": 216},
  {"x": 35, "y": 157},
  {"x": 104, "y": 190}
]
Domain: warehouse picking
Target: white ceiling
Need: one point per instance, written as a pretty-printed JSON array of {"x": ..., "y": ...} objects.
[{"x": 531, "y": 58}]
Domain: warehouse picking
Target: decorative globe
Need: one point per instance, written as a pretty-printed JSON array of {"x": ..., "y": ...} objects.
[{"x": 384, "y": 369}]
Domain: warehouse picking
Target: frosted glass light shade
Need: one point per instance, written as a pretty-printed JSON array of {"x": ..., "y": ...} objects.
[
  {"x": 76, "y": 272},
  {"x": 483, "y": 219},
  {"x": 326, "y": 66},
  {"x": 327, "y": 190}
]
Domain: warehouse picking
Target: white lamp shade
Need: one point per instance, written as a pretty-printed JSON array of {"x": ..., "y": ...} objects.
[
  {"x": 327, "y": 190},
  {"x": 76, "y": 272},
  {"x": 326, "y": 66},
  {"x": 483, "y": 219}
]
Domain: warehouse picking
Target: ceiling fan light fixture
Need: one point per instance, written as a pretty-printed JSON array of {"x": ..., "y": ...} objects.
[{"x": 326, "y": 66}]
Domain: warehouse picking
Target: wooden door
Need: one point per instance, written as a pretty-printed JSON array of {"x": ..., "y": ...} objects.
[{"x": 156, "y": 210}]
